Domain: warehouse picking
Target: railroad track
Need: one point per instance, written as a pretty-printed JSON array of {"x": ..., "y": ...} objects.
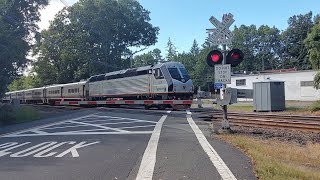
[{"x": 278, "y": 121}]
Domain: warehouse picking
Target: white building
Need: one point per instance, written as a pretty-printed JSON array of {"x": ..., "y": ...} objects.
[{"x": 298, "y": 84}]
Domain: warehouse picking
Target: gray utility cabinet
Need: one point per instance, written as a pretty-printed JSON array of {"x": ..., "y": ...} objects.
[{"x": 269, "y": 96}]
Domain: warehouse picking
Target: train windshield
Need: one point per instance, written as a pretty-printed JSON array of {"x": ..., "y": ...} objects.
[
  {"x": 175, "y": 73},
  {"x": 185, "y": 74}
]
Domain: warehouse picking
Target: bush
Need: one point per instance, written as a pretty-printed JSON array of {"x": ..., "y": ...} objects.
[
  {"x": 10, "y": 115},
  {"x": 315, "y": 106},
  {"x": 6, "y": 114}
]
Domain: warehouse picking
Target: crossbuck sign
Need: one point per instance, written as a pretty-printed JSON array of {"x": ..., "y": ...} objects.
[{"x": 221, "y": 35}]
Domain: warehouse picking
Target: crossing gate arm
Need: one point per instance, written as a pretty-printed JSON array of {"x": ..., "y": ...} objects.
[{"x": 127, "y": 102}]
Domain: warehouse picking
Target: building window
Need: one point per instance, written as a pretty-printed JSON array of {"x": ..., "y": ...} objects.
[
  {"x": 240, "y": 82},
  {"x": 306, "y": 83}
]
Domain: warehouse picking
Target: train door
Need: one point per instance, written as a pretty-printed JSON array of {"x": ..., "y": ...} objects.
[
  {"x": 87, "y": 94},
  {"x": 61, "y": 92},
  {"x": 159, "y": 84},
  {"x": 83, "y": 92},
  {"x": 44, "y": 96}
]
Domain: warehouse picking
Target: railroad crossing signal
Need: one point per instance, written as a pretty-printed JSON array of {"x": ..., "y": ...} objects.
[
  {"x": 221, "y": 35},
  {"x": 214, "y": 57},
  {"x": 234, "y": 57}
]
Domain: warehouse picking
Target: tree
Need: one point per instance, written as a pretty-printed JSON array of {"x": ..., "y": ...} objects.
[
  {"x": 295, "y": 52},
  {"x": 268, "y": 48},
  {"x": 202, "y": 75},
  {"x": 92, "y": 37},
  {"x": 18, "y": 20},
  {"x": 144, "y": 59},
  {"x": 245, "y": 38},
  {"x": 317, "y": 80},
  {"x": 156, "y": 53},
  {"x": 171, "y": 51},
  {"x": 195, "y": 50},
  {"x": 23, "y": 82},
  {"x": 312, "y": 43}
]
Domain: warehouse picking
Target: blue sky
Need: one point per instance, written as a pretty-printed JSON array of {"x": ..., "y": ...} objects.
[{"x": 186, "y": 20}]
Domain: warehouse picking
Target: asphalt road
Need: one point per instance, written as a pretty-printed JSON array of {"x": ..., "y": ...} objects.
[{"x": 110, "y": 144}]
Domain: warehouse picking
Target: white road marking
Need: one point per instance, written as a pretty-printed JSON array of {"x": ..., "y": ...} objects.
[
  {"x": 132, "y": 127},
  {"x": 88, "y": 127},
  {"x": 38, "y": 131},
  {"x": 43, "y": 149},
  {"x": 149, "y": 157},
  {"x": 42, "y": 153},
  {"x": 80, "y": 133},
  {"x": 116, "y": 118},
  {"x": 43, "y": 126},
  {"x": 128, "y": 122},
  {"x": 62, "y": 127},
  {"x": 221, "y": 167},
  {"x": 35, "y": 149},
  {"x": 188, "y": 112},
  {"x": 169, "y": 112},
  {"x": 73, "y": 150},
  {"x": 99, "y": 126},
  {"x": 13, "y": 146}
]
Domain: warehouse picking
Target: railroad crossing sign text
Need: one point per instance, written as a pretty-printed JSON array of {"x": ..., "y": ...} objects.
[{"x": 222, "y": 74}]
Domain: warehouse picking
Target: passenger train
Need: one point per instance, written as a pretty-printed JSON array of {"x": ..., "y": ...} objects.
[{"x": 164, "y": 81}]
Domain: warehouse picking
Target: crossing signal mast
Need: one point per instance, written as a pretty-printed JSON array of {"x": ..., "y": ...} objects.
[{"x": 223, "y": 60}]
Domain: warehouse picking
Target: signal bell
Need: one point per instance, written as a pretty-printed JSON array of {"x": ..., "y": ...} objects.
[
  {"x": 214, "y": 57},
  {"x": 235, "y": 57}
]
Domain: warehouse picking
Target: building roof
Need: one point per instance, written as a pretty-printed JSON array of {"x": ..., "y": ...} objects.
[{"x": 271, "y": 72}]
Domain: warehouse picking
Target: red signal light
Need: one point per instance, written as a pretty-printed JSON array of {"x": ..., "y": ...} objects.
[
  {"x": 235, "y": 57},
  {"x": 214, "y": 57}
]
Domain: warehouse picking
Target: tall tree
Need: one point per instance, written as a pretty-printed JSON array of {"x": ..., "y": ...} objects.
[
  {"x": 245, "y": 38},
  {"x": 171, "y": 51},
  {"x": 295, "y": 52},
  {"x": 144, "y": 59},
  {"x": 92, "y": 37},
  {"x": 156, "y": 53},
  {"x": 18, "y": 20},
  {"x": 268, "y": 48},
  {"x": 312, "y": 43},
  {"x": 23, "y": 82},
  {"x": 195, "y": 50}
]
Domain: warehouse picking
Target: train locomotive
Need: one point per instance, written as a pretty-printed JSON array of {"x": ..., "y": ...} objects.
[{"x": 164, "y": 81}]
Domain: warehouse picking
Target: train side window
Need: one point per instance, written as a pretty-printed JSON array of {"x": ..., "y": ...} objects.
[
  {"x": 158, "y": 74},
  {"x": 142, "y": 72}
]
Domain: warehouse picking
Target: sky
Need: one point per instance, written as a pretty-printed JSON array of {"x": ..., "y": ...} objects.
[{"x": 185, "y": 20}]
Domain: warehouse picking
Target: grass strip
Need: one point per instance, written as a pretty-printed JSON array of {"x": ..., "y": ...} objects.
[{"x": 279, "y": 160}]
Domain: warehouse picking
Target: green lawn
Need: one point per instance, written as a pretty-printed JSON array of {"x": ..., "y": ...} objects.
[{"x": 291, "y": 107}]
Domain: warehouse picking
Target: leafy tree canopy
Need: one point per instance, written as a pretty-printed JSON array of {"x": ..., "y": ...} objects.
[
  {"x": 18, "y": 20},
  {"x": 92, "y": 37}
]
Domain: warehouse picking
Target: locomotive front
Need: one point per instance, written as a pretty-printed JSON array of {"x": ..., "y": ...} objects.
[{"x": 179, "y": 84}]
